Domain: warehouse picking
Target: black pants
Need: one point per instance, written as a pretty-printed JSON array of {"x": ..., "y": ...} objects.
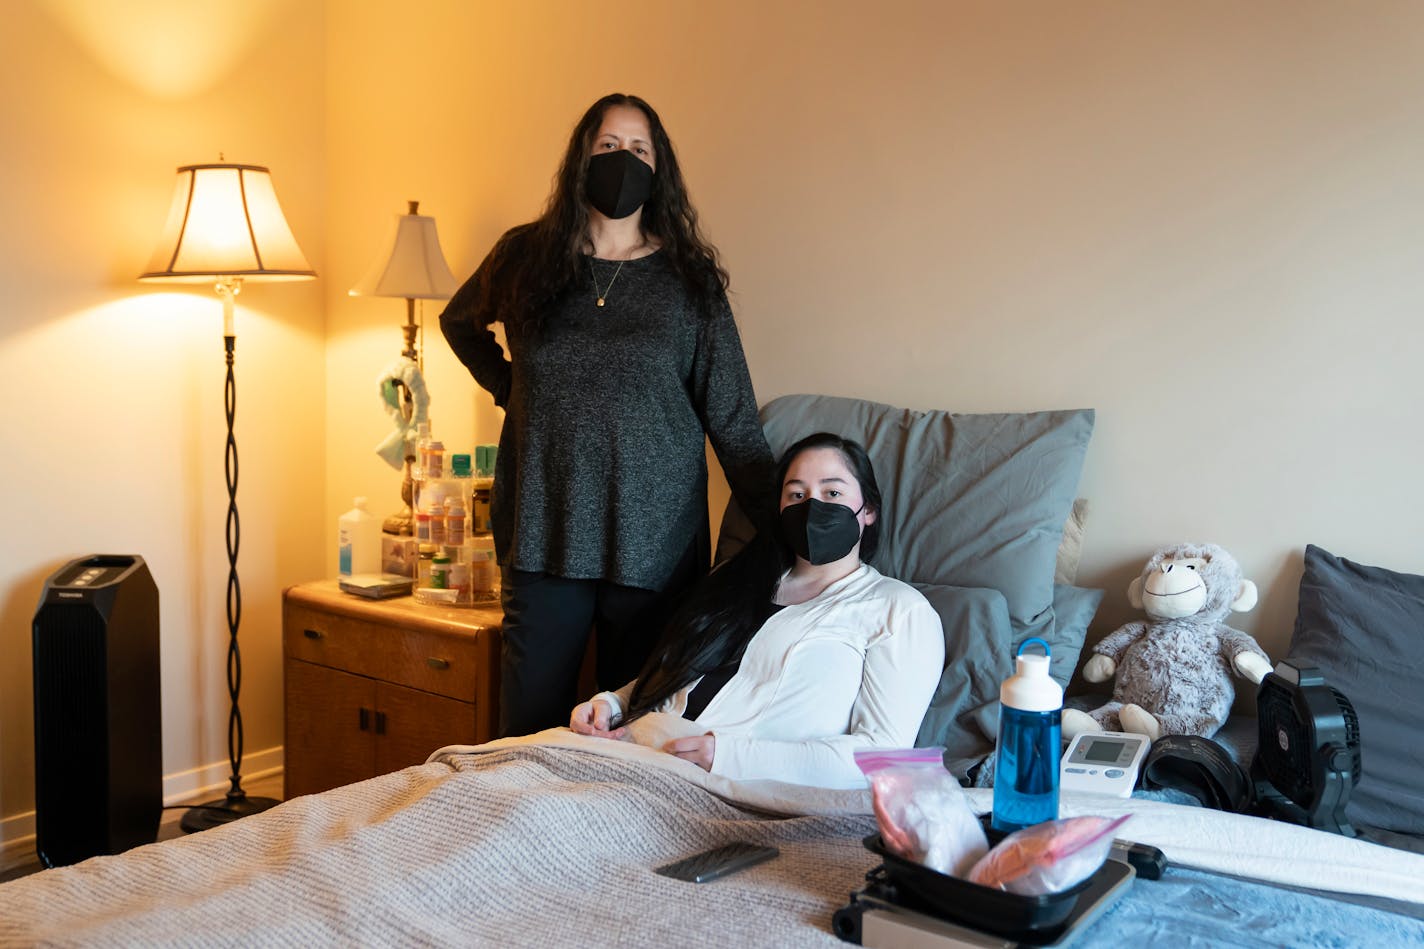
[{"x": 547, "y": 620}]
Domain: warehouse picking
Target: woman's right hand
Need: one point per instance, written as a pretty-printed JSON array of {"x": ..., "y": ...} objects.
[{"x": 593, "y": 718}]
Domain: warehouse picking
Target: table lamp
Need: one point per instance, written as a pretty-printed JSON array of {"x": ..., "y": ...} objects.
[
  {"x": 225, "y": 226},
  {"x": 411, "y": 265}
]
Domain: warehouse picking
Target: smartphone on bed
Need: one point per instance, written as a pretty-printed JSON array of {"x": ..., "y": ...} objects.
[{"x": 718, "y": 862}]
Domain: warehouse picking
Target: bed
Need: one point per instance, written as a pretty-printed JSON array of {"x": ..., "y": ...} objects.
[{"x": 551, "y": 840}]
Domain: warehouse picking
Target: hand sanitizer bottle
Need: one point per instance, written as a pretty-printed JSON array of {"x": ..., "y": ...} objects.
[
  {"x": 1030, "y": 735},
  {"x": 359, "y": 540}
]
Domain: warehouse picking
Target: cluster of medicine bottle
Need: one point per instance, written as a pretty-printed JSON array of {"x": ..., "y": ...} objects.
[{"x": 456, "y": 562}]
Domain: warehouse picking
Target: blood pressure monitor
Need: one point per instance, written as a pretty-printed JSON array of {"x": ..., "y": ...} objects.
[{"x": 1103, "y": 763}]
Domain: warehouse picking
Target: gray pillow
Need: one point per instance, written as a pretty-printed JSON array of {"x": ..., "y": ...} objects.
[
  {"x": 979, "y": 650},
  {"x": 970, "y": 500},
  {"x": 1363, "y": 628},
  {"x": 1073, "y": 609},
  {"x": 977, "y": 658}
]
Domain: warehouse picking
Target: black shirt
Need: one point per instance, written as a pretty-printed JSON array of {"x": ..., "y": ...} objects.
[{"x": 602, "y": 470}]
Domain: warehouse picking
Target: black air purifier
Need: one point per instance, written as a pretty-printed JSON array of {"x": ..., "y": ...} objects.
[{"x": 98, "y": 721}]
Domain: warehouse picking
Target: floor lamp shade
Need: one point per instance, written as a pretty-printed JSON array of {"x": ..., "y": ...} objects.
[
  {"x": 225, "y": 222},
  {"x": 224, "y": 227}
]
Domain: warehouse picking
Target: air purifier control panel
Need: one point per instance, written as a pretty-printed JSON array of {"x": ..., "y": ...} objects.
[{"x": 91, "y": 572}]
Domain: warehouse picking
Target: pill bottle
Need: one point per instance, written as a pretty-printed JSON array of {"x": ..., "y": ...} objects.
[
  {"x": 454, "y": 520},
  {"x": 484, "y": 571},
  {"x": 440, "y": 572},
  {"x": 425, "y": 559},
  {"x": 432, "y": 459},
  {"x": 459, "y": 581},
  {"x": 436, "y": 510}
]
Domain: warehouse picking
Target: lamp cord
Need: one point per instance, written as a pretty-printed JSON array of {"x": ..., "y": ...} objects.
[{"x": 234, "y": 591}]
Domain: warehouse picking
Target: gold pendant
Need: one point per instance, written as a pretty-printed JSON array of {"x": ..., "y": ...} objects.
[{"x": 600, "y": 301}]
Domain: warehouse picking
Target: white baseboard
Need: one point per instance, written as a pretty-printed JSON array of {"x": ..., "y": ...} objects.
[
  {"x": 211, "y": 780},
  {"x": 17, "y": 832}
]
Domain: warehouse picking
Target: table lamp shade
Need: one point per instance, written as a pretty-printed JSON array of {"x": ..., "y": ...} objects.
[
  {"x": 225, "y": 221},
  {"x": 411, "y": 264}
]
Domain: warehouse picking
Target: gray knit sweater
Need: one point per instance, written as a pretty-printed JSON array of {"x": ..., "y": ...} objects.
[{"x": 601, "y": 471}]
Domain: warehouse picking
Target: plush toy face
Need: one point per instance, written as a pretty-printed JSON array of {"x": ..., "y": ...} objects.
[
  {"x": 1175, "y": 589},
  {"x": 1183, "y": 580}
]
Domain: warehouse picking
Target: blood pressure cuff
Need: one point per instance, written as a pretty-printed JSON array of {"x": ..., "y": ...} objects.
[{"x": 1199, "y": 767}]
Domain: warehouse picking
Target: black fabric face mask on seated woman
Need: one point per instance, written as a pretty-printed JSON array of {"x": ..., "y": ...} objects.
[{"x": 819, "y": 532}]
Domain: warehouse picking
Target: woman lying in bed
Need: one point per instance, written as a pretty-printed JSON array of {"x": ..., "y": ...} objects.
[{"x": 794, "y": 653}]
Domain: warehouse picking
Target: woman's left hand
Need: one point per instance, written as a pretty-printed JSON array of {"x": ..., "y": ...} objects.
[{"x": 699, "y": 749}]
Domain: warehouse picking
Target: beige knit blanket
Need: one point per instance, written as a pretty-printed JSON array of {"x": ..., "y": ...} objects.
[
  {"x": 550, "y": 841},
  {"x": 518, "y": 846}
]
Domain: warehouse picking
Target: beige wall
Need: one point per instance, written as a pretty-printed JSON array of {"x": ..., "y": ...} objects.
[
  {"x": 1203, "y": 220},
  {"x": 113, "y": 424}
]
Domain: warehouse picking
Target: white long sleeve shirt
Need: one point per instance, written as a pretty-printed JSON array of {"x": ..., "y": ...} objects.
[{"x": 855, "y": 667}]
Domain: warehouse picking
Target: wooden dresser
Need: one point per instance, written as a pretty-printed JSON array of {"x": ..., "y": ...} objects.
[{"x": 374, "y": 686}]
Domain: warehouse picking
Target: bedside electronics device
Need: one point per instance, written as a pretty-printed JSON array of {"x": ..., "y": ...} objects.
[
  {"x": 1103, "y": 763},
  {"x": 1308, "y": 750}
]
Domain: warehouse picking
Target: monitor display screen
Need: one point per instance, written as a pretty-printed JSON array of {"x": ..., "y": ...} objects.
[{"x": 1102, "y": 752}]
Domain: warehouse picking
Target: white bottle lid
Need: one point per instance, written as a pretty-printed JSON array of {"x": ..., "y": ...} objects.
[
  {"x": 359, "y": 504},
  {"x": 1030, "y": 688}
]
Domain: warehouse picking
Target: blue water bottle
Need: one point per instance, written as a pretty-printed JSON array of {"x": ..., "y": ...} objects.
[{"x": 1030, "y": 729}]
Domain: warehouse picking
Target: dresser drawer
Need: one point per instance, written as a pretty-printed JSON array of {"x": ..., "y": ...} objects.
[{"x": 442, "y": 663}]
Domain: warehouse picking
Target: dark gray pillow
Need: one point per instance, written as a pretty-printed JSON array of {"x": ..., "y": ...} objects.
[{"x": 1363, "y": 627}]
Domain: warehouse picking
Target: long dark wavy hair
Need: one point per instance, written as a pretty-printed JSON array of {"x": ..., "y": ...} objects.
[
  {"x": 719, "y": 617},
  {"x": 533, "y": 265}
]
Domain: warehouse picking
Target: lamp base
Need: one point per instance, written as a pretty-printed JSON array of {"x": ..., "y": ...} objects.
[
  {"x": 223, "y": 811},
  {"x": 401, "y": 524}
]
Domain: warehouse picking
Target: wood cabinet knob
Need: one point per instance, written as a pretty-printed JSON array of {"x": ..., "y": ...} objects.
[
  {"x": 313, "y": 633},
  {"x": 436, "y": 663}
]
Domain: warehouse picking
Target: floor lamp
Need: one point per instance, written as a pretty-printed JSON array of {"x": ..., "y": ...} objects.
[{"x": 225, "y": 226}]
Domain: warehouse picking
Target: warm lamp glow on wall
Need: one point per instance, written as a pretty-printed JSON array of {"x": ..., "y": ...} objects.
[{"x": 225, "y": 226}]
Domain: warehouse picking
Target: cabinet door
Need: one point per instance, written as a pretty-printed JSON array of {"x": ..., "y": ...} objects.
[
  {"x": 330, "y": 728},
  {"x": 414, "y": 723}
]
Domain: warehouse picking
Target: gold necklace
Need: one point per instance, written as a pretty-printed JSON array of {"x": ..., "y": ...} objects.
[{"x": 603, "y": 294}]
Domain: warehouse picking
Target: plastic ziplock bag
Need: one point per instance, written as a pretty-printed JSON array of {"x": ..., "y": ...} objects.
[
  {"x": 1048, "y": 857},
  {"x": 921, "y": 809}
]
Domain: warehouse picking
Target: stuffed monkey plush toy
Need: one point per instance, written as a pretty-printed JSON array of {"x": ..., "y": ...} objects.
[{"x": 1174, "y": 670}]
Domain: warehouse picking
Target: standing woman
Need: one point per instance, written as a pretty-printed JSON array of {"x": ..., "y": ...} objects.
[{"x": 622, "y": 355}]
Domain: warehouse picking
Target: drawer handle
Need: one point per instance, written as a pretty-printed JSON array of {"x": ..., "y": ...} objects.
[
  {"x": 313, "y": 633},
  {"x": 380, "y": 723},
  {"x": 364, "y": 718},
  {"x": 436, "y": 663}
]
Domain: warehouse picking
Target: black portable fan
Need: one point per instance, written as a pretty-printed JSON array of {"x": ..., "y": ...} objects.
[{"x": 1308, "y": 749}]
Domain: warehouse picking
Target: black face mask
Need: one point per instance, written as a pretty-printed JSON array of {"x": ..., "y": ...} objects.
[
  {"x": 819, "y": 532},
  {"x": 618, "y": 183}
]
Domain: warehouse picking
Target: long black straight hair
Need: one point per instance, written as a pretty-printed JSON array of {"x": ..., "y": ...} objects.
[
  {"x": 724, "y": 610},
  {"x": 533, "y": 265}
]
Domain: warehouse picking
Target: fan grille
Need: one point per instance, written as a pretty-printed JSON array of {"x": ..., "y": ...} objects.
[{"x": 1288, "y": 741}]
